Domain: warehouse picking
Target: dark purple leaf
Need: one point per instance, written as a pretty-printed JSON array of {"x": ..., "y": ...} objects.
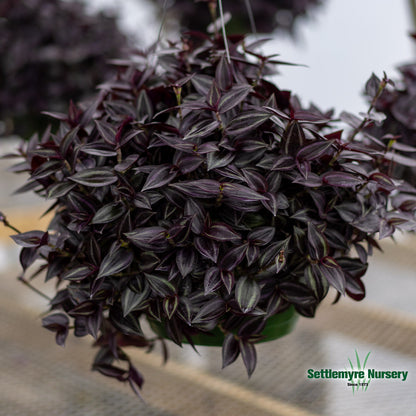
[
  {"x": 342, "y": 179},
  {"x": 255, "y": 181},
  {"x": 355, "y": 288},
  {"x": 202, "y": 83},
  {"x": 98, "y": 149},
  {"x": 246, "y": 122},
  {"x": 141, "y": 200},
  {"x": 207, "y": 248},
  {"x": 261, "y": 235},
  {"x": 228, "y": 280},
  {"x": 128, "y": 325},
  {"x": 131, "y": 301},
  {"x": 214, "y": 95},
  {"x": 247, "y": 294},
  {"x": 293, "y": 138},
  {"x": 332, "y": 271},
  {"x": 210, "y": 312},
  {"x": 221, "y": 232},
  {"x": 233, "y": 257},
  {"x": 233, "y": 97},
  {"x": 58, "y": 323},
  {"x": 31, "y": 238},
  {"x": 59, "y": 189},
  {"x": 383, "y": 180},
  {"x": 83, "y": 309},
  {"x": 94, "y": 177},
  {"x": 126, "y": 164},
  {"x": 107, "y": 131},
  {"x": 242, "y": 193},
  {"x": 189, "y": 164},
  {"x": 248, "y": 353},
  {"x": 160, "y": 176},
  {"x": 202, "y": 129},
  {"x": 149, "y": 238},
  {"x": 315, "y": 150},
  {"x": 170, "y": 305},
  {"x": 185, "y": 260},
  {"x": 160, "y": 285},
  {"x": 312, "y": 180},
  {"x": 78, "y": 273},
  {"x": 135, "y": 380},
  {"x": 230, "y": 350},
  {"x": 223, "y": 74},
  {"x": 212, "y": 280},
  {"x": 115, "y": 262},
  {"x": 108, "y": 213},
  {"x": 200, "y": 188},
  {"x": 253, "y": 253},
  {"x": 217, "y": 160},
  {"x": 318, "y": 246}
]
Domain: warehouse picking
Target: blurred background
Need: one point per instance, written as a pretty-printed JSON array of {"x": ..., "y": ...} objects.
[{"x": 52, "y": 51}]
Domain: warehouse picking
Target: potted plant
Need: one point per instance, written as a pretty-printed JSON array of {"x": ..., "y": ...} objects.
[
  {"x": 197, "y": 195},
  {"x": 52, "y": 51}
]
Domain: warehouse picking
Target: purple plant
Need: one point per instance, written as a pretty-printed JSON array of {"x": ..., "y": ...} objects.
[
  {"x": 268, "y": 15},
  {"x": 195, "y": 193},
  {"x": 398, "y": 128},
  {"x": 51, "y": 51}
]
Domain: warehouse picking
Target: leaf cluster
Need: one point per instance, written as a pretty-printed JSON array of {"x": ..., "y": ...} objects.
[
  {"x": 51, "y": 51},
  {"x": 395, "y": 102},
  {"x": 197, "y": 194}
]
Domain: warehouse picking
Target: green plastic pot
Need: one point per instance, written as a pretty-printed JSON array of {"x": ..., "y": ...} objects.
[{"x": 277, "y": 326}]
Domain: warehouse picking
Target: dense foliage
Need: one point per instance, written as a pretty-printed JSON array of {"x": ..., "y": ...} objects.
[
  {"x": 196, "y": 193},
  {"x": 397, "y": 103},
  {"x": 51, "y": 51},
  {"x": 268, "y": 15}
]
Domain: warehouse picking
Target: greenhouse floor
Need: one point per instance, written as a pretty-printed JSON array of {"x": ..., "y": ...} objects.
[{"x": 40, "y": 378}]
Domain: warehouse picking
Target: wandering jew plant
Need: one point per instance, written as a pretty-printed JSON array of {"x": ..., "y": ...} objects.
[
  {"x": 51, "y": 51},
  {"x": 197, "y": 194}
]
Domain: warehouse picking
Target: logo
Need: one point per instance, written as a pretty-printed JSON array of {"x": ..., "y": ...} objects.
[{"x": 357, "y": 375}]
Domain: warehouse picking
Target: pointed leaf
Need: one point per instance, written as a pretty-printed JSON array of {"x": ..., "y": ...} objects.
[
  {"x": 248, "y": 353},
  {"x": 233, "y": 97},
  {"x": 221, "y": 232},
  {"x": 212, "y": 280},
  {"x": 114, "y": 262},
  {"x": 333, "y": 272},
  {"x": 247, "y": 294},
  {"x": 108, "y": 213},
  {"x": 233, "y": 257},
  {"x": 185, "y": 260},
  {"x": 246, "y": 122},
  {"x": 159, "y": 177},
  {"x": 342, "y": 179},
  {"x": 200, "y": 188},
  {"x": 230, "y": 350},
  {"x": 208, "y": 248},
  {"x": 94, "y": 177}
]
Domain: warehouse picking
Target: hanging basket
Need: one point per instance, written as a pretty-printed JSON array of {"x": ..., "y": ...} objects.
[{"x": 276, "y": 327}]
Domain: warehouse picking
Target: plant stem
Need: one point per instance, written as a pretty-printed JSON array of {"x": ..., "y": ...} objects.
[
  {"x": 25, "y": 282},
  {"x": 163, "y": 20},
  {"x": 251, "y": 16},
  {"x": 6, "y": 223}
]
